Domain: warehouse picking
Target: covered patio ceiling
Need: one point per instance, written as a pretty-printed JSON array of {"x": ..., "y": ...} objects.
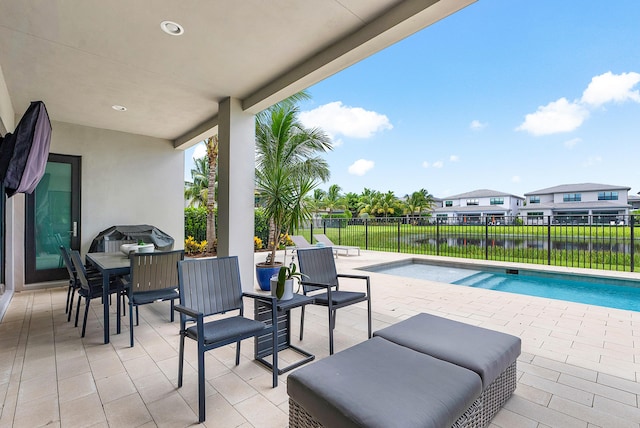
[{"x": 82, "y": 58}]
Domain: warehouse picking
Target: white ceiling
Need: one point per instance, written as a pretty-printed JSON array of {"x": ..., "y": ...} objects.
[{"x": 82, "y": 57}]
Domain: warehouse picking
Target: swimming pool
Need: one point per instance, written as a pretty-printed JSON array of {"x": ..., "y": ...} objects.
[{"x": 609, "y": 292}]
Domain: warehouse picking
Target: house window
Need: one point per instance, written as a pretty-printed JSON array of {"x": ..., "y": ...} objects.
[
  {"x": 535, "y": 214},
  {"x": 572, "y": 197},
  {"x": 473, "y": 202},
  {"x": 448, "y": 203},
  {"x": 497, "y": 201},
  {"x": 534, "y": 199},
  {"x": 607, "y": 196}
]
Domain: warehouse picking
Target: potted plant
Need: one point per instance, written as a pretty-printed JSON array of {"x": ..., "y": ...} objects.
[
  {"x": 287, "y": 169},
  {"x": 282, "y": 284}
]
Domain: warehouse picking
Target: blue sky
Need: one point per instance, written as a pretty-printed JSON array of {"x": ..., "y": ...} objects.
[{"x": 509, "y": 95}]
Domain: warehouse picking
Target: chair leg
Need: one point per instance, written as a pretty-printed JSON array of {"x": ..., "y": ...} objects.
[
  {"x": 73, "y": 294},
  {"x": 66, "y": 308},
  {"x": 118, "y": 311},
  {"x": 137, "y": 315},
  {"x": 331, "y": 326},
  {"x": 86, "y": 313},
  {"x": 301, "y": 323},
  {"x": 201, "y": 401},
  {"x": 172, "y": 310},
  {"x": 131, "y": 321},
  {"x": 77, "y": 311},
  {"x": 237, "y": 353},
  {"x": 181, "y": 360}
]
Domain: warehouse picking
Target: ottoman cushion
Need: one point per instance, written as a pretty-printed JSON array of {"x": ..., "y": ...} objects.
[
  {"x": 380, "y": 384},
  {"x": 486, "y": 352}
]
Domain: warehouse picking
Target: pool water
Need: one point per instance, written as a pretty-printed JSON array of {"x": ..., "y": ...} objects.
[{"x": 612, "y": 293}]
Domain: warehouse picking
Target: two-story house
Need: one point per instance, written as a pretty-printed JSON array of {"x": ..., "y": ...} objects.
[
  {"x": 479, "y": 206},
  {"x": 577, "y": 204}
]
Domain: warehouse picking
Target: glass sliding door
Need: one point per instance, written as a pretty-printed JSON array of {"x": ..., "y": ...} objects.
[{"x": 52, "y": 219}]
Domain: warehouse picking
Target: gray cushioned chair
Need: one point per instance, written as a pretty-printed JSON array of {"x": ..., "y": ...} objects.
[
  {"x": 212, "y": 287},
  {"x": 322, "y": 282},
  {"x": 153, "y": 278}
]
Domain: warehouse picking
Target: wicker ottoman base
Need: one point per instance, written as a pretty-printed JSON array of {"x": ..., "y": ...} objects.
[
  {"x": 299, "y": 418},
  {"x": 478, "y": 415}
]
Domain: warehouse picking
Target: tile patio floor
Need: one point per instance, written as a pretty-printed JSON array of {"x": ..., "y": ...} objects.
[{"x": 579, "y": 366}]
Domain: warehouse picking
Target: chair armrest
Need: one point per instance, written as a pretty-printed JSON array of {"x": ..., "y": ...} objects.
[
  {"x": 264, "y": 297},
  {"x": 315, "y": 284},
  {"x": 344, "y": 275},
  {"x": 187, "y": 311}
]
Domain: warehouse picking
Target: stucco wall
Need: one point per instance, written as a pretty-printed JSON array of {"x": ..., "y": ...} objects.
[
  {"x": 126, "y": 179},
  {"x": 7, "y": 115}
]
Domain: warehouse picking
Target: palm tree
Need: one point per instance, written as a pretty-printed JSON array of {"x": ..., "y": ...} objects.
[
  {"x": 333, "y": 199},
  {"x": 288, "y": 168},
  {"x": 212, "y": 157},
  {"x": 419, "y": 201},
  {"x": 368, "y": 201},
  {"x": 386, "y": 204},
  {"x": 196, "y": 192}
]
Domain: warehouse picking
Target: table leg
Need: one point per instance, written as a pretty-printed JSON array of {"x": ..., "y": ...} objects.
[{"x": 105, "y": 305}]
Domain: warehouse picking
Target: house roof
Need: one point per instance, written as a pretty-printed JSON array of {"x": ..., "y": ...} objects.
[
  {"x": 81, "y": 58},
  {"x": 580, "y": 187},
  {"x": 481, "y": 193}
]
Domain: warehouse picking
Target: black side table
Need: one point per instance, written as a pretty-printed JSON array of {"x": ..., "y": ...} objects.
[{"x": 263, "y": 344}]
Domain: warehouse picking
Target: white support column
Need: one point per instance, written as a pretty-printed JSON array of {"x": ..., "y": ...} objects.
[{"x": 236, "y": 169}]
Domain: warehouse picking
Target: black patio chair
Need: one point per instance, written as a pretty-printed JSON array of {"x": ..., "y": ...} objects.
[
  {"x": 153, "y": 278},
  {"x": 212, "y": 287},
  {"x": 321, "y": 281},
  {"x": 74, "y": 283},
  {"x": 90, "y": 287}
]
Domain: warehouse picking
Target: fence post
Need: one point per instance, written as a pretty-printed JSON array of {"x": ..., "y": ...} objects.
[
  {"x": 366, "y": 233},
  {"x": 437, "y": 236},
  {"x": 399, "y": 221},
  {"x": 311, "y": 232},
  {"x": 633, "y": 244},
  {"x": 549, "y": 240},
  {"x": 486, "y": 238}
]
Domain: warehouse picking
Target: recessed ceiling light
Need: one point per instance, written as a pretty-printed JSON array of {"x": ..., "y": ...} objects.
[
  {"x": 171, "y": 28},
  {"x": 119, "y": 108}
]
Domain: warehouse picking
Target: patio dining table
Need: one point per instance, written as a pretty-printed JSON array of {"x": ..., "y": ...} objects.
[{"x": 109, "y": 264}]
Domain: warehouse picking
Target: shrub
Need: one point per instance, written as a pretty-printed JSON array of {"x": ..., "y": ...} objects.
[
  {"x": 191, "y": 246},
  {"x": 257, "y": 243}
]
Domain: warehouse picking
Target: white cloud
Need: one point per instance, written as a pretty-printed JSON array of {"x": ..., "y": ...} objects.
[
  {"x": 200, "y": 151},
  {"x": 609, "y": 87},
  {"x": 338, "y": 119},
  {"x": 454, "y": 158},
  {"x": 361, "y": 167},
  {"x": 592, "y": 161},
  {"x": 570, "y": 144},
  {"x": 515, "y": 179},
  {"x": 565, "y": 116},
  {"x": 476, "y": 125},
  {"x": 425, "y": 164},
  {"x": 438, "y": 164},
  {"x": 557, "y": 116}
]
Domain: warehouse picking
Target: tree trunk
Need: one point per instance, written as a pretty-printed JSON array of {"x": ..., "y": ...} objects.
[{"x": 212, "y": 153}]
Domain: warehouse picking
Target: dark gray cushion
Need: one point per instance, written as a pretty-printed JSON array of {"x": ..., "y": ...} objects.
[
  {"x": 380, "y": 384},
  {"x": 486, "y": 352}
]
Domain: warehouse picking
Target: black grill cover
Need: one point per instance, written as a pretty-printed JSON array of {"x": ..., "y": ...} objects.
[
  {"x": 23, "y": 154},
  {"x": 149, "y": 234}
]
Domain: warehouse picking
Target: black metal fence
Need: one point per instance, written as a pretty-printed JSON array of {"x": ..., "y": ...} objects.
[{"x": 583, "y": 241}]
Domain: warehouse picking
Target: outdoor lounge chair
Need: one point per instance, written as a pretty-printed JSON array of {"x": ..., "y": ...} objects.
[
  {"x": 153, "y": 278},
  {"x": 321, "y": 282},
  {"x": 327, "y": 242},
  {"x": 212, "y": 287},
  {"x": 301, "y": 242}
]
